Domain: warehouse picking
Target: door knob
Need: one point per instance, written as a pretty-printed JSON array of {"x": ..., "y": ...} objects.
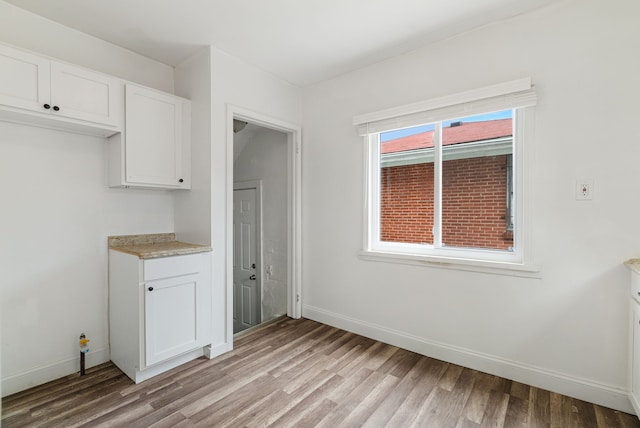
[{"x": 252, "y": 277}]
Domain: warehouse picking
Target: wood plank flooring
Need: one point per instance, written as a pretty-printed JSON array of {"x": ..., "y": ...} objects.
[{"x": 300, "y": 373}]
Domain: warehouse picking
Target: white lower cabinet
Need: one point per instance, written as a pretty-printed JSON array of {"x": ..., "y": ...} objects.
[
  {"x": 634, "y": 357},
  {"x": 158, "y": 312},
  {"x": 634, "y": 338}
]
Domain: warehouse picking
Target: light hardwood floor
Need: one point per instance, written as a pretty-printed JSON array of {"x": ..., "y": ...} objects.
[{"x": 300, "y": 373}]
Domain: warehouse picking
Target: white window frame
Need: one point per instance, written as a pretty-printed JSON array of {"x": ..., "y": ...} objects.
[{"x": 516, "y": 262}]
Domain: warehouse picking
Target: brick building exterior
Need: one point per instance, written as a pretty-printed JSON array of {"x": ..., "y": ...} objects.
[{"x": 475, "y": 187}]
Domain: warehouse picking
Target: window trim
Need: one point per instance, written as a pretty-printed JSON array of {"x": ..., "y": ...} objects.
[
  {"x": 517, "y": 263},
  {"x": 483, "y": 266},
  {"x": 503, "y": 96}
]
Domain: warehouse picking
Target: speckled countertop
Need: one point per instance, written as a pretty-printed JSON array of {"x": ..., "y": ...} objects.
[
  {"x": 633, "y": 264},
  {"x": 155, "y": 245}
]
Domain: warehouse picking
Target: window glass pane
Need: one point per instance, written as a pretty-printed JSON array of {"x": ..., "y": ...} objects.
[
  {"x": 407, "y": 185},
  {"x": 477, "y": 182}
]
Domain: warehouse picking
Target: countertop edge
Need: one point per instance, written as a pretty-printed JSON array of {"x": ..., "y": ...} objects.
[
  {"x": 633, "y": 264},
  {"x": 154, "y": 245},
  {"x": 145, "y": 255}
]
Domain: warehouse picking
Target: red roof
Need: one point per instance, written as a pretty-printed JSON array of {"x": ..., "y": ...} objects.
[{"x": 464, "y": 133}]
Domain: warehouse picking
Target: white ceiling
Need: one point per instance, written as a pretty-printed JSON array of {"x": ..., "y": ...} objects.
[{"x": 301, "y": 41}]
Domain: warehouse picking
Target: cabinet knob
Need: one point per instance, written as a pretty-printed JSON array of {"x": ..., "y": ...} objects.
[
  {"x": 46, "y": 106},
  {"x": 56, "y": 108},
  {"x": 150, "y": 288},
  {"x": 181, "y": 180}
]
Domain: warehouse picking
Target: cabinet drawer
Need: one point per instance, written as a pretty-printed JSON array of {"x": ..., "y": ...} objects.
[
  {"x": 167, "y": 267},
  {"x": 635, "y": 285}
]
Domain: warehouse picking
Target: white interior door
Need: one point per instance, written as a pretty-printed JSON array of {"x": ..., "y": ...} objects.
[{"x": 246, "y": 288}]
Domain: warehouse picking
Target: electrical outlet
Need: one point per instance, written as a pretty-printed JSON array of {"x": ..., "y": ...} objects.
[{"x": 584, "y": 190}]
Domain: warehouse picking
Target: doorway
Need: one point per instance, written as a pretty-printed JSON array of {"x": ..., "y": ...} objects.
[{"x": 260, "y": 225}]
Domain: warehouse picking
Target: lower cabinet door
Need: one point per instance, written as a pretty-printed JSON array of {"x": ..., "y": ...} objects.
[{"x": 173, "y": 316}]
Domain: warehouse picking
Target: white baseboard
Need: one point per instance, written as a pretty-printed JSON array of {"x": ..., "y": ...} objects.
[
  {"x": 140, "y": 376},
  {"x": 583, "y": 389},
  {"x": 217, "y": 349},
  {"x": 39, "y": 375}
]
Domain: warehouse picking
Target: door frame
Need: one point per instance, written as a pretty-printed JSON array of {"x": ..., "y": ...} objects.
[
  {"x": 294, "y": 209},
  {"x": 257, "y": 185}
]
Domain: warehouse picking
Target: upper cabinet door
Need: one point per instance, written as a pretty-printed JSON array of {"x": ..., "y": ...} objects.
[
  {"x": 24, "y": 80},
  {"x": 156, "y": 151},
  {"x": 84, "y": 95}
]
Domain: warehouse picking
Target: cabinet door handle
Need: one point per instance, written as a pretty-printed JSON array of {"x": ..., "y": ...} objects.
[
  {"x": 181, "y": 180},
  {"x": 46, "y": 106},
  {"x": 56, "y": 108},
  {"x": 150, "y": 288}
]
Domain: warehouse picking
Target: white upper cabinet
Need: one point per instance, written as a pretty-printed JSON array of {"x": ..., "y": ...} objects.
[
  {"x": 149, "y": 131},
  {"x": 37, "y": 90},
  {"x": 155, "y": 149},
  {"x": 84, "y": 95},
  {"x": 24, "y": 80}
]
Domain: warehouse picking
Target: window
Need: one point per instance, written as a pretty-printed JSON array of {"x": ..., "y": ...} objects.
[{"x": 446, "y": 186}]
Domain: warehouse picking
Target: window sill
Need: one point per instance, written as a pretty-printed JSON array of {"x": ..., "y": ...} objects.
[{"x": 484, "y": 266}]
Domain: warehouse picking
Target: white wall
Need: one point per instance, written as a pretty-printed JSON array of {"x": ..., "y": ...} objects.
[
  {"x": 231, "y": 82},
  {"x": 57, "y": 212},
  {"x": 56, "y": 215},
  {"x": 193, "y": 208},
  {"x": 29, "y": 31},
  {"x": 42, "y": 345},
  {"x": 566, "y": 331},
  {"x": 264, "y": 158},
  {"x": 237, "y": 83}
]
